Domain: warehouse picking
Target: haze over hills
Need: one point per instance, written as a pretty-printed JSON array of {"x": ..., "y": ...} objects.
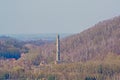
[{"x": 39, "y": 36}]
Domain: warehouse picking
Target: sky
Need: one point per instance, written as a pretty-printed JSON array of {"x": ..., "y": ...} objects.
[{"x": 54, "y": 16}]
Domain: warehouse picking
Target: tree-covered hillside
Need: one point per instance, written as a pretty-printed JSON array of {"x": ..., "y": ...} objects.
[{"x": 93, "y": 43}]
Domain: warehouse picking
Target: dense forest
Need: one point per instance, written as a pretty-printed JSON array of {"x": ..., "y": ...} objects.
[{"x": 93, "y": 54}]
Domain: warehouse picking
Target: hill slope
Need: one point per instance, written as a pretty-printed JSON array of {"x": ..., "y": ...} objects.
[
  {"x": 97, "y": 41},
  {"x": 93, "y": 43}
]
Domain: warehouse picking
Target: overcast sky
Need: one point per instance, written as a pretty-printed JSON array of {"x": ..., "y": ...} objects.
[{"x": 54, "y": 16}]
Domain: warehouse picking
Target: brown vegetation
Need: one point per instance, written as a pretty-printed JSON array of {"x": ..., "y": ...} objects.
[{"x": 90, "y": 55}]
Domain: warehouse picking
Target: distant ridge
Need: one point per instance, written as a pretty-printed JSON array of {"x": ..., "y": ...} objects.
[{"x": 39, "y": 36}]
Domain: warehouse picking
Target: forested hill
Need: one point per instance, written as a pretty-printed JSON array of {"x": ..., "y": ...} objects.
[
  {"x": 95, "y": 42},
  {"x": 11, "y": 48}
]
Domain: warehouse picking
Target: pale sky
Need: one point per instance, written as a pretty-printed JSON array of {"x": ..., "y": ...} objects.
[{"x": 54, "y": 16}]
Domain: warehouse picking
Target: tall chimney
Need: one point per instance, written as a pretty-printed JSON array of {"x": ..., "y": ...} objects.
[{"x": 58, "y": 49}]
